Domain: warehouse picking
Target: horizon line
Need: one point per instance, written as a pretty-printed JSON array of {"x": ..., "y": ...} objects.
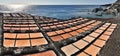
[{"x": 54, "y": 4}]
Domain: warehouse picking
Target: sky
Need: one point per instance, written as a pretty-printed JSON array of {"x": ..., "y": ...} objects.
[{"x": 57, "y": 2}]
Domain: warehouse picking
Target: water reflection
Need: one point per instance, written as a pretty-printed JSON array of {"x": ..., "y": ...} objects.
[{"x": 16, "y": 8}]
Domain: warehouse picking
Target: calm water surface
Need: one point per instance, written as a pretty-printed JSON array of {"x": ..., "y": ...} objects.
[{"x": 56, "y": 11}]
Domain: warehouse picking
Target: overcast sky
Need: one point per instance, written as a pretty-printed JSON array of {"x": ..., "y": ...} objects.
[{"x": 56, "y": 2}]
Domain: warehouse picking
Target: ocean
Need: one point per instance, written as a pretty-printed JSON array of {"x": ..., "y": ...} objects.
[{"x": 56, "y": 11}]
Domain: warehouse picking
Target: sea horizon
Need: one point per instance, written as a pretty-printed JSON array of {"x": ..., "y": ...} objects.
[{"x": 55, "y": 11}]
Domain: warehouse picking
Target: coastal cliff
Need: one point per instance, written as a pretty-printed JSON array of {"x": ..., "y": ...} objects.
[{"x": 114, "y": 6}]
